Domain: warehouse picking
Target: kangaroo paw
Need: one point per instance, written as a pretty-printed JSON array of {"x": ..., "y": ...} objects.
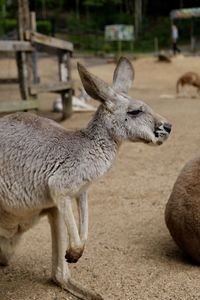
[{"x": 72, "y": 255}]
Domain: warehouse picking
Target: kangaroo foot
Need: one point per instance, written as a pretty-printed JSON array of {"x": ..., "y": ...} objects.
[{"x": 77, "y": 290}]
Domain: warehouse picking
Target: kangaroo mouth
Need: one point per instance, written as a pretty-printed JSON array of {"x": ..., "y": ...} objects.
[
  {"x": 154, "y": 142},
  {"x": 156, "y": 137},
  {"x": 160, "y": 136}
]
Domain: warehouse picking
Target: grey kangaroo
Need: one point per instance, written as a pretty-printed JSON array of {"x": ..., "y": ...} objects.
[{"x": 44, "y": 167}]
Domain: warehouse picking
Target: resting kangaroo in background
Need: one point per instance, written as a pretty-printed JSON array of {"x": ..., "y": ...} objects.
[
  {"x": 43, "y": 167},
  {"x": 189, "y": 78},
  {"x": 182, "y": 213}
]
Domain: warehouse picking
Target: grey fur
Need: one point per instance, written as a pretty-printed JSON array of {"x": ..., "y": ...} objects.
[{"x": 43, "y": 167}]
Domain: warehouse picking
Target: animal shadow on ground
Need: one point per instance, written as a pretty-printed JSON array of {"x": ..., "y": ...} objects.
[
  {"x": 171, "y": 252},
  {"x": 16, "y": 279},
  {"x": 160, "y": 249}
]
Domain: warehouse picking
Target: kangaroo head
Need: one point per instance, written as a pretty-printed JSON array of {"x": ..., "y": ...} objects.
[{"x": 124, "y": 117}]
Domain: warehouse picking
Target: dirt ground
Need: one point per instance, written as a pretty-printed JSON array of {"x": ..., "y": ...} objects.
[{"x": 130, "y": 254}]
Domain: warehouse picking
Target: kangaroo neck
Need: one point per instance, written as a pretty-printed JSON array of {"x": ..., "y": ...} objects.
[
  {"x": 103, "y": 148},
  {"x": 98, "y": 132}
]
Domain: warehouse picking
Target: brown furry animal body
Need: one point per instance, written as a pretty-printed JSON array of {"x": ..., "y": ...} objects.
[
  {"x": 182, "y": 214},
  {"x": 189, "y": 78}
]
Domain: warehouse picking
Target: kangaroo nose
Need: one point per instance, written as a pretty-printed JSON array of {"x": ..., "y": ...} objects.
[{"x": 167, "y": 127}]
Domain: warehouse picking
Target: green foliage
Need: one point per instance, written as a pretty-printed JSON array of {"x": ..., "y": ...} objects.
[
  {"x": 97, "y": 22},
  {"x": 101, "y": 2},
  {"x": 84, "y": 21},
  {"x": 7, "y": 25},
  {"x": 75, "y": 25},
  {"x": 92, "y": 42},
  {"x": 50, "y": 4},
  {"x": 87, "y": 36},
  {"x": 10, "y": 25},
  {"x": 44, "y": 26},
  {"x": 94, "y": 2},
  {"x": 2, "y": 15},
  {"x": 2, "y": 8},
  {"x": 159, "y": 28}
]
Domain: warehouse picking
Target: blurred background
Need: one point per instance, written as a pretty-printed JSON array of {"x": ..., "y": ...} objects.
[
  {"x": 42, "y": 40},
  {"x": 83, "y": 22},
  {"x": 130, "y": 254}
]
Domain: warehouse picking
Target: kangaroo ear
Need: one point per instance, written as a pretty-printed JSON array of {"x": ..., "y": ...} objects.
[
  {"x": 123, "y": 76},
  {"x": 96, "y": 88}
]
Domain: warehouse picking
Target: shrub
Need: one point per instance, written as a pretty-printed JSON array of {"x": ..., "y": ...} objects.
[{"x": 44, "y": 26}]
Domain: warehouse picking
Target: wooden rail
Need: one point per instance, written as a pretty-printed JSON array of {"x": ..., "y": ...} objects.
[
  {"x": 15, "y": 46},
  {"x": 55, "y": 87},
  {"x": 48, "y": 41},
  {"x": 12, "y": 106},
  {"x": 9, "y": 80}
]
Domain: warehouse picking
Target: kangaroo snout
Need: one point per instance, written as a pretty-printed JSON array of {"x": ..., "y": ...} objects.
[
  {"x": 167, "y": 127},
  {"x": 162, "y": 132},
  {"x": 164, "y": 127}
]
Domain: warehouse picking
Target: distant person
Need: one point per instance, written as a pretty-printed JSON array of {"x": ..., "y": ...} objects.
[{"x": 174, "y": 39}]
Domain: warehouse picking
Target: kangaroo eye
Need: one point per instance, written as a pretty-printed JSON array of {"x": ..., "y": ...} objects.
[{"x": 134, "y": 112}]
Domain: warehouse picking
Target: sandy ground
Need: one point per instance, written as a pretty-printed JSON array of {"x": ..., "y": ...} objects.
[{"x": 130, "y": 254}]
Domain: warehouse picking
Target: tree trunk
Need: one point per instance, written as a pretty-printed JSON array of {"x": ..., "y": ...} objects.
[
  {"x": 77, "y": 10},
  {"x": 181, "y": 4},
  {"x": 87, "y": 14},
  {"x": 138, "y": 17},
  {"x": 44, "y": 11}
]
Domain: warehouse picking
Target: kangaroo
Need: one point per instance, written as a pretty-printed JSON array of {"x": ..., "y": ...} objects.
[
  {"x": 189, "y": 78},
  {"x": 182, "y": 213},
  {"x": 44, "y": 167}
]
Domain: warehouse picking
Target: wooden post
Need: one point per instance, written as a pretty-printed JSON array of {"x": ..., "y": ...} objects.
[
  {"x": 23, "y": 18},
  {"x": 33, "y": 24},
  {"x": 67, "y": 104},
  {"x": 33, "y": 27},
  {"x": 22, "y": 58},
  {"x": 65, "y": 75}
]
